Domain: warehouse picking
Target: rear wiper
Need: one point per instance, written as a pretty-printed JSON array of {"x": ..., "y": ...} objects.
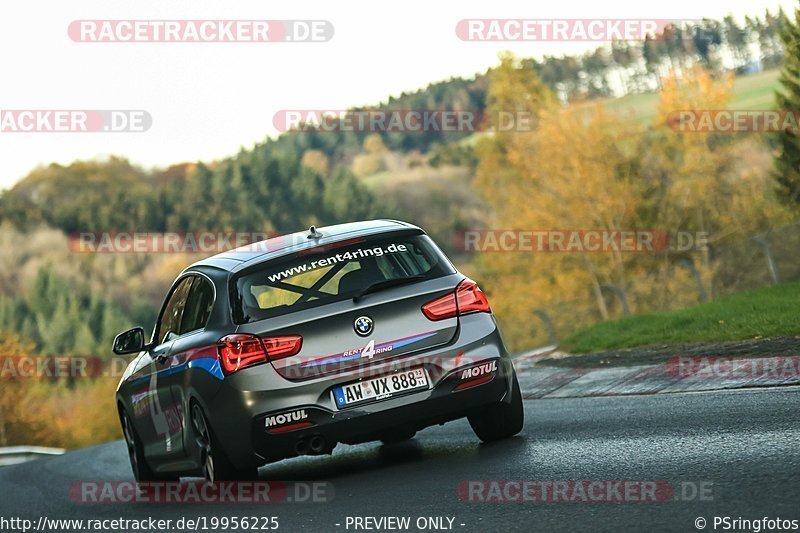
[{"x": 385, "y": 284}]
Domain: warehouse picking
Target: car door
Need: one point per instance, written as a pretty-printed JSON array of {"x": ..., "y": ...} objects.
[
  {"x": 190, "y": 343},
  {"x": 158, "y": 409}
]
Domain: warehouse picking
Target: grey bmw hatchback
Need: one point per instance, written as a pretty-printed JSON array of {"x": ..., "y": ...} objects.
[{"x": 290, "y": 346}]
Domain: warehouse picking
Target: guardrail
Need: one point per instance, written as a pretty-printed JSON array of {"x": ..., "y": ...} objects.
[{"x": 13, "y": 455}]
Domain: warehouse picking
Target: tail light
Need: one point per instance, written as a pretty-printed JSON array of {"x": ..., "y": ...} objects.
[
  {"x": 242, "y": 350},
  {"x": 290, "y": 427},
  {"x": 467, "y": 298},
  {"x": 281, "y": 347},
  {"x": 474, "y": 382}
]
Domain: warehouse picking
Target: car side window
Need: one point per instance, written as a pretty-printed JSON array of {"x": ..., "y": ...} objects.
[
  {"x": 170, "y": 321},
  {"x": 198, "y": 306}
]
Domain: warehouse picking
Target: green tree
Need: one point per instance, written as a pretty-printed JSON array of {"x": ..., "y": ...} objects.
[{"x": 787, "y": 157}]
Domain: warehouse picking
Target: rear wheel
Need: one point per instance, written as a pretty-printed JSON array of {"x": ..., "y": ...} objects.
[
  {"x": 499, "y": 420},
  {"x": 216, "y": 465}
]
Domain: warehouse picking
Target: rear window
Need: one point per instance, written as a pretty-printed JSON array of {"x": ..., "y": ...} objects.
[{"x": 333, "y": 273}]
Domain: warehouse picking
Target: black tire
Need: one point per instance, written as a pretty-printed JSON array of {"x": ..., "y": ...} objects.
[
  {"x": 216, "y": 465},
  {"x": 499, "y": 420},
  {"x": 141, "y": 470}
]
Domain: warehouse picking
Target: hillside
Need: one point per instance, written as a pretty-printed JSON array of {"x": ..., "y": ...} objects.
[{"x": 754, "y": 91}]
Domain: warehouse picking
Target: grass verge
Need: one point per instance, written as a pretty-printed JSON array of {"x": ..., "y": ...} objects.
[{"x": 755, "y": 314}]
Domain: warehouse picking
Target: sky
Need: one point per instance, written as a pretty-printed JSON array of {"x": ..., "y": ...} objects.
[{"x": 209, "y": 100}]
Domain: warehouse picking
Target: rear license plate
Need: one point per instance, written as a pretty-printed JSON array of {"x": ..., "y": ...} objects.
[{"x": 380, "y": 388}]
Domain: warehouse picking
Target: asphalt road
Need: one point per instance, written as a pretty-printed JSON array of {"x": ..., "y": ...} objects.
[{"x": 742, "y": 447}]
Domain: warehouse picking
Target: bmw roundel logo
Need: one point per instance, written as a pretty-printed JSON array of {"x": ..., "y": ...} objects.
[{"x": 364, "y": 325}]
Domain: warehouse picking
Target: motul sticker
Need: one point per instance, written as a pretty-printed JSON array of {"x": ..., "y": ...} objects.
[
  {"x": 479, "y": 370},
  {"x": 285, "y": 418}
]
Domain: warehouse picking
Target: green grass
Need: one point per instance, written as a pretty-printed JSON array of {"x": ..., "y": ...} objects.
[
  {"x": 755, "y": 91},
  {"x": 414, "y": 176},
  {"x": 766, "y": 312}
]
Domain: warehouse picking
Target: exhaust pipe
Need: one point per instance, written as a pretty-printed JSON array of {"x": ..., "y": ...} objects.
[
  {"x": 317, "y": 444},
  {"x": 301, "y": 447}
]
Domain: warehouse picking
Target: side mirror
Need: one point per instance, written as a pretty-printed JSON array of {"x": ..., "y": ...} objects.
[{"x": 131, "y": 341}]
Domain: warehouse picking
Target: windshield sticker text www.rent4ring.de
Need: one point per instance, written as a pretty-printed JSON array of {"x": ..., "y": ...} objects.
[{"x": 333, "y": 259}]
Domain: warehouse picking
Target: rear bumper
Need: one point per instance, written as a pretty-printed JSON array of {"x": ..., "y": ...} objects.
[
  {"x": 239, "y": 410},
  {"x": 368, "y": 422}
]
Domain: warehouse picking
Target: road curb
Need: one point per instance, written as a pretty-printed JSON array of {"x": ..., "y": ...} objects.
[{"x": 540, "y": 382}]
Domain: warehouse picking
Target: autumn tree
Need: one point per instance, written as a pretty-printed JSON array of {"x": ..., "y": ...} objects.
[
  {"x": 372, "y": 160},
  {"x": 574, "y": 171},
  {"x": 517, "y": 91},
  {"x": 706, "y": 183},
  {"x": 582, "y": 168},
  {"x": 317, "y": 161}
]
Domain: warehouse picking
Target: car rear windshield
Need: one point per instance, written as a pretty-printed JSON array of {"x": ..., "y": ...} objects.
[{"x": 333, "y": 273}]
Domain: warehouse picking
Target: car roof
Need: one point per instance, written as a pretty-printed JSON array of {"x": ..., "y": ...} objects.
[{"x": 239, "y": 258}]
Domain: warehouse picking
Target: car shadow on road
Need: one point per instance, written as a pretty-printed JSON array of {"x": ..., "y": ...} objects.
[{"x": 420, "y": 454}]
